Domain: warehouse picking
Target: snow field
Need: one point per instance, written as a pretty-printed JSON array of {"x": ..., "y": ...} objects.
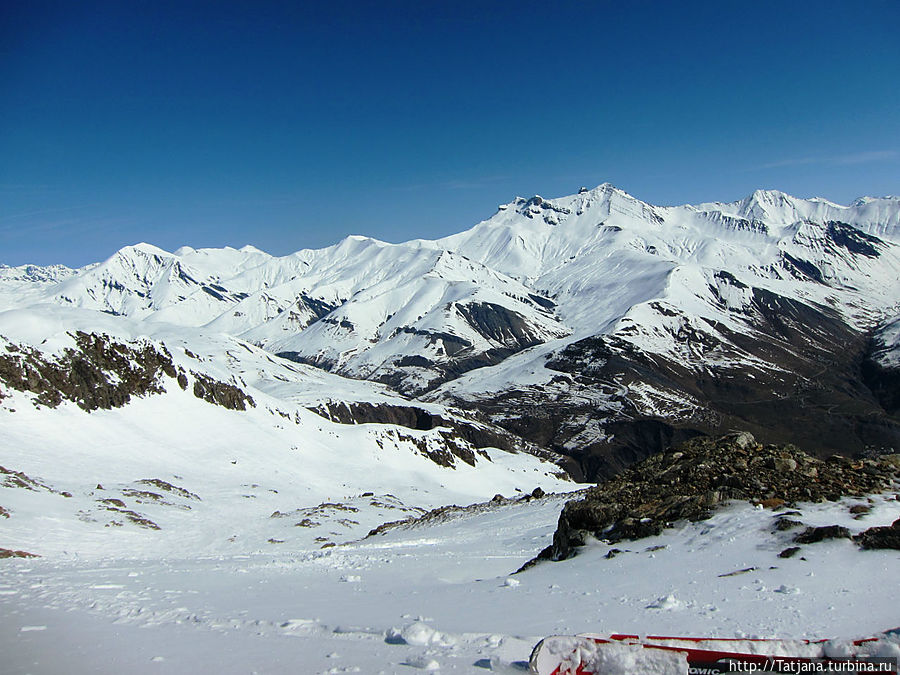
[{"x": 436, "y": 596}]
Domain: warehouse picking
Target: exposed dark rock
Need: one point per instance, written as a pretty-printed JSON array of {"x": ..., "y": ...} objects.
[
  {"x": 688, "y": 482},
  {"x": 221, "y": 393},
  {"x": 472, "y": 433},
  {"x": 801, "y": 268},
  {"x": 541, "y": 301},
  {"x": 4, "y": 513},
  {"x": 736, "y": 573},
  {"x": 880, "y": 537},
  {"x": 99, "y": 373},
  {"x": 102, "y": 373},
  {"x": 854, "y": 240},
  {"x": 789, "y": 552},
  {"x": 319, "y": 308},
  {"x": 812, "y": 535},
  {"x": 19, "y": 479},
  {"x": 832, "y": 394},
  {"x": 9, "y": 553},
  {"x": 135, "y": 518},
  {"x": 343, "y": 323},
  {"x": 452, "y": 344},
  {"x": 168, "y": 487},
  {"x": 415, "y": 360},
  {"x": 782, "y": 524},
  {"x": 882, "y": 380},
  {"x": 452, "y": 511},
  {"x": 113, "y": 502},
  {"x": 497, "y": 323}
]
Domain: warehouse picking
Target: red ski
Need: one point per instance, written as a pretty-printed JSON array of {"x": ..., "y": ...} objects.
[{"x": 614, "y": 654}]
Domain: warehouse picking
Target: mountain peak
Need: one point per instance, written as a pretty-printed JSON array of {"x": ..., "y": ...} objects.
[{"x": 142, "y": 248}]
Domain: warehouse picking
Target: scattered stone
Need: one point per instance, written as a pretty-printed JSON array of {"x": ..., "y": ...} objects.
[
  {"x": 785, "y": 464},
  {"x": 135, "y": 518},
  {"x": 737, "y": 572},
  {"x": 880, "y": 537},
  {"x": 782, "y": 524},
  {"x": 789, "y": 552},
  {"x": 168, "y": 487},
  {"x": 812, "y": 535},
  {"x": 860, "y": 508},
  {"x": 113, "y": 502},
  {"x": 612, "y": 553},
  {"x": 4, "y": 512},
  {"x": 18, "y": 479},
  {"x": 9, "y": 553}
]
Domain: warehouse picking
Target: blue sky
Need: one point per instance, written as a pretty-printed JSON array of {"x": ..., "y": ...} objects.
[{"x": 290, "y": 125}]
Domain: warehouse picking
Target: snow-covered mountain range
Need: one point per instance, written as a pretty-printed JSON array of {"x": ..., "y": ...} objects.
[
  {"x": 595, "y": 325},
  {"x": 198, "y": 443}
]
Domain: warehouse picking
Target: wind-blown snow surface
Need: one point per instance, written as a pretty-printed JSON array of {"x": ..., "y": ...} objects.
[
  {"x": 170, "y": 478},
  {"x": 438, "y": 596}
]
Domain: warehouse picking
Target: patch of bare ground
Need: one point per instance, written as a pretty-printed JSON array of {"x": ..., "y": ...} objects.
[
  {"x": 168, "y": 487},
  {"x": 9, "y": 553}
]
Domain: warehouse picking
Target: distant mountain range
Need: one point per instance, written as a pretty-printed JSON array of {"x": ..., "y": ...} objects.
[{"x": 595, "y": 326}]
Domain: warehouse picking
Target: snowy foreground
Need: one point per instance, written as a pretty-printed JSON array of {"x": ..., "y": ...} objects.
[{"x": 440, "y": 596}]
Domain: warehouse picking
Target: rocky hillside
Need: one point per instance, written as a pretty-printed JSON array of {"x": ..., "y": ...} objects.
[
  {"x": 690, "y": 481},
  {"x": 99, "y": 372}
]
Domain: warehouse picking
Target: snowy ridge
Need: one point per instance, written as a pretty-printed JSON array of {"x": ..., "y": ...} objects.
[{"x": 576, "y": 250}]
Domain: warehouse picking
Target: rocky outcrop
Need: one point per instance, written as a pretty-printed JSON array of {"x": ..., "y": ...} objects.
[
  {"x": 98, "y": 373},
  {"x": 10, "y": 553},
  {"x": 880, "y": 537},
  {"x": 687, "y": 483},
  {"x": 221, "y": 393},
  {"x": 476, "y": 434},
  {"x": 101, "y": 373}
]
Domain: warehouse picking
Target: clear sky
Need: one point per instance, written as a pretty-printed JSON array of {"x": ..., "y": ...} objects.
[{"x": 289, "y": 125}]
